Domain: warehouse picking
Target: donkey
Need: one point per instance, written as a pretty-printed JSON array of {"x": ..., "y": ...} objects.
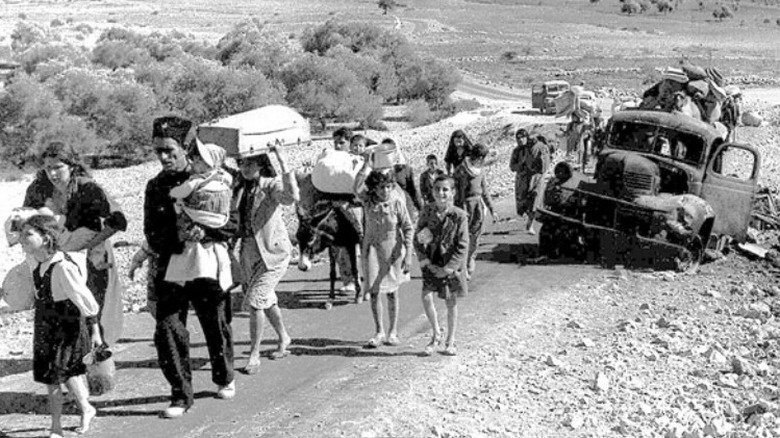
[{"x": 325, "y": 222}]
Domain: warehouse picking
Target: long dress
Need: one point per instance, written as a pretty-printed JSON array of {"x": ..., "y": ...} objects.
[
  {"x": 60, "y": 337},
  {"x": 388, "y": 235}
]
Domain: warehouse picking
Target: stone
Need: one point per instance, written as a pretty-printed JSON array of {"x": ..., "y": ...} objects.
[
  {"x": 711, "y": 293},
  {"x": 574, "y": 421},
  {"x": 715, "y": 357},
  {"x": 553, "y": 361},
  {"x": 728, "y": 381},
  {"x": 644, "y": 307},
  {"x": 574, "y": 325},
  {"x": 626, "y": 325},
  {"x": 586, "y": 343},
  {"x": 675, "y": 430},
  {"x": 718, "y": 427},
  {"x": 601, "y": 382},
  {"x": 740, "y": 366}
]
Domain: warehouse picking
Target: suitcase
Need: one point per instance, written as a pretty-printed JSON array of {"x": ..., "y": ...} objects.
[{"x": 254, "y": 132}]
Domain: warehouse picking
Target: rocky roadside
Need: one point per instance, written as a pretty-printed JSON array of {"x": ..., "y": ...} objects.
[{"x": 621, "y": 353}]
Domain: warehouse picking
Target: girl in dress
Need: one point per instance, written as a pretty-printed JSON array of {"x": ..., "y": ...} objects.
[
  {"x": 387, "y": 246},
  {"x": 66, "y": 326}
]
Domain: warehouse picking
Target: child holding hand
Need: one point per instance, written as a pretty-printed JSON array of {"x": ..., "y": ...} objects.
[
  {"x": 442, "y": 242},
  {"x": 66, "y": 326}
]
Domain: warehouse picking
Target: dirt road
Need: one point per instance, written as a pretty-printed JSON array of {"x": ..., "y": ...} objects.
[{"x": 327, "y": 382}]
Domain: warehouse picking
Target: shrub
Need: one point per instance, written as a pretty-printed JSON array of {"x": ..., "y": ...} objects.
[
  {"x": 44, "y": 53},
  {"x": 204, "y": 90},
  {"x": 387, "y": 5},
  {"x": 664, "y": 6},
  {"x": 25, "y": 35},
  {"x": 630, "y": 7},
  {"x": 357, "y": 36},
  {"x": 248, "y": 44},
  {"x": 428, "y": 79},
  {"x": 56, "y": 22},
  {"x": 722, "y": 12},
  {"x": 323, "y": 89},
  {"x": 117, "y": 54},
  {"x": 509, "y": 55},
  {"x": 418, "y": 113},
  {"x": 23, "y": 107},
  {"x": 84, "y": 28}
]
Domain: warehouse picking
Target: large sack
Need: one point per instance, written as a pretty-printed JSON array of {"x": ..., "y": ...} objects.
[
  {"x": 564, "y": 104},
  {"x": 335, "y": 171},
  {"x": 749, "y": 118}
]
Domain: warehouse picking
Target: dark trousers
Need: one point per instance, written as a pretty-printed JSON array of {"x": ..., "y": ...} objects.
[{"x": 212, "y": 306}]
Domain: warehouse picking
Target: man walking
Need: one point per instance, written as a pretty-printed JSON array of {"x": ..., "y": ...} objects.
[{"x": 169, "y": 302}]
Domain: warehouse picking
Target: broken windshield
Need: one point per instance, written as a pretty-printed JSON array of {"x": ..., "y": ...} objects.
[{"x": 657, "y": 140}]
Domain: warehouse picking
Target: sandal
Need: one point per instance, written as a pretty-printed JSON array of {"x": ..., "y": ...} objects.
[
  {"x": 280, "y": 352},
  {"x": 376, "y": 341}
]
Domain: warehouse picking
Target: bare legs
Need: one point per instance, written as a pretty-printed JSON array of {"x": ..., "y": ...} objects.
[
  {"x": 452, "y": 321},
  {"x": 377, "y": 309},
  {"x": 256, "y": 328},
  {"x": 78, "y": 388}
]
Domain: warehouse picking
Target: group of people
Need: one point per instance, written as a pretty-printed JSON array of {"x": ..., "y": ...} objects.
[{"x": 208, "y": 227}]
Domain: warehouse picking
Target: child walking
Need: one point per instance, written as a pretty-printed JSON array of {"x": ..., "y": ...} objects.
[
  {"x": 472, "y": 195},
  {"x": 66, "y": 326},
  {"x": 428, "y": 177},
  {"x": 387, "y": 246},
  {"x": 202, "y": 201},
  {"x": 442, "y": 242}
]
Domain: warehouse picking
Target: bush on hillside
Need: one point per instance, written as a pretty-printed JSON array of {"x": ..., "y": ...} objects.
[
  {"x": 722, "y": 12},
  {"x": 324, "y": 89},
  {"x": 630, "y": 7},
  {"x": 25, "y": 35},
  {"x": 41, "y": 53},
  {"x": 430, "y": 80},
  {"x": 205, "y": 90},
  {"x": 31, "y": 116},
  {"x": 114, "y": 54},
  {"x": 249, "y": 44}
]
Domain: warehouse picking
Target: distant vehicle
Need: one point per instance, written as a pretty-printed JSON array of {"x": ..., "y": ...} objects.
[{"x": 543, "y": 95}]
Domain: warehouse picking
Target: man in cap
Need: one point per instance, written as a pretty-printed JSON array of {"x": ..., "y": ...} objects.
[{"x": 169, "y": 302}]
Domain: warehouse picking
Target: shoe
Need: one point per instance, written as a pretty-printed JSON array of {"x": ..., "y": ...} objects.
[
  {"x": 392, "y": 340},
  {"x": 55, "y": 435},
  {"x": 251, "y": 368},
  {"x": 450, "y": 350},
  {"x": 228, "y": 391},
  {"x": 174, "y": 411},
  {"x": 376, "y": 341}
]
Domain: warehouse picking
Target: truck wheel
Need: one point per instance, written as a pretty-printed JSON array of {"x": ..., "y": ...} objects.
[{"x": 690, "y": 258}]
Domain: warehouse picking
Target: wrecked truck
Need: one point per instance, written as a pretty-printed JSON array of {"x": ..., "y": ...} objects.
[{"x": 666, "y": 187}]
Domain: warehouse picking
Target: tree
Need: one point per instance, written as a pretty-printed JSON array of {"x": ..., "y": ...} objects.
[
  {"x": 387, "y": 5},
  {"x": 664, "y": 6},
  {"x": 630, "y": 7},
  {"x": 722, "y": 12},
  {"x": 323, "y": 89}
]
